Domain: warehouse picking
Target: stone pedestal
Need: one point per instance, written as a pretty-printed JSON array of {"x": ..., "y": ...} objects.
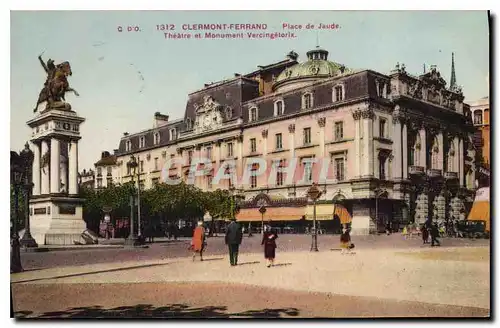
[{"x": 56, "y": 214}]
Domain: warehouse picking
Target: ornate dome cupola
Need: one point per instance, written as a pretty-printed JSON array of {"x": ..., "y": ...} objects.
[
  {"x": 317, "y": 54},
  {"x": 316, "y": 67}
]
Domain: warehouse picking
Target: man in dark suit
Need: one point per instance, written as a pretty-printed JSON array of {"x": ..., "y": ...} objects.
[{"x": 234, "y": 235}]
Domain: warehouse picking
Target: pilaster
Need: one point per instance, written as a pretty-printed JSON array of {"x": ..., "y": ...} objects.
[
  {"x": 55, "y": 153},
  {"x": 36, "y": 168}
]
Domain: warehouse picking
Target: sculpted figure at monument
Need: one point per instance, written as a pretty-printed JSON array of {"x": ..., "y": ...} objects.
[{"x": 56, "y": 85}]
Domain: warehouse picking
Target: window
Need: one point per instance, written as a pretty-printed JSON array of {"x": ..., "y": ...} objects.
[
  {"x": 155, "y": 181},
  {"x": 109, "y": 170},
  {"x": 173, "y": 134},
  {"x": 380, "y": 89},
  {"x": 280, "y": 175},
  {"x": 99, "y": 171},
  {"x": 278, "y": 108},
  {"x": 189, "y": 124},
  {"x": 478, "y": 117},
  {"x": 229, "y": 113},
  {"x": 253, "y": 178},
  {"x": 308, "y": 166},
  {"x": 279, "y": 141},
  {"x": 338, "y": 93},
  {"x": 411, "y": 156},
  {"x": 209, "y": 181},
  {"x": 434, "y": 155},
  {"x": 253, "y": 114},
  {"x": 156, "y": 163},
  {"x": 307, "y": 136},
  {"x": 307, "y": 101},
  {"x": 156, "y": 138},
  {"x": 141, "y": 166},
  {"x": 128, "y": 145},
  {"x": 99, "y": 183},
  {"x": 129, "y": 170},
  {"x": 253, "y": 145},
  {"x": 381, "y": 167},
  {"x": 230, "y": 149},
  {"x": 339, "y": 169},
  {"x": 209, "y": 152},
  {"x": 142, "y": 142},
  {"x": 190, "y": 156},
  {"x": 339, "y": 131},
  {"x": 141, "y": 184},
  {"x": 381, "y": 128},
  {"x": 109, "y": 182}
]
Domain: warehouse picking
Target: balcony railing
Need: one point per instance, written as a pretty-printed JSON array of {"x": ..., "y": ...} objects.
[
  {"x": 433, "y": 173},
  {"x": 450, "y": 175},
  {"x": 416, "y": 170}
]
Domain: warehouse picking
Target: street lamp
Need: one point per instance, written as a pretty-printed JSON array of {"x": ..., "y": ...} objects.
[
  {"x": 16, "y": 176},
  {"x": 314, "y": 193},
  {"x": 262, "y": 211},
  {"x": 132, "y": 238},
  {"x": 26, "y": 158}
]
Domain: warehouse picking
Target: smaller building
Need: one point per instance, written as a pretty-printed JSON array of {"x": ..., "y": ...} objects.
[
  {"x": 86, "y": 179},
  {"x": 480, "y": 111},
  {"x": 104, "y": 169}
]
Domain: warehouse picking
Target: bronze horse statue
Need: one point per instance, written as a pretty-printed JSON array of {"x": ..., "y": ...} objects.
[{"x": 56, "y": 85}]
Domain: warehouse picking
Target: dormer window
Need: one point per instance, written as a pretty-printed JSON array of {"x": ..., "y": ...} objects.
[
  {"x": 142, "y": 142},
  {"x": 253, "y": 114},
  {"x": 338, "y": 93},
  {"x": 279, "y": 108},
  {"x": 229, "y": 113},
  {"x": 173, "y": 134},
  {"x": 156, "y": 138},
  {"x": 189, "y": 124},
  {"x": 307, "y": 101},
  {"x": 128, "y": 145}
]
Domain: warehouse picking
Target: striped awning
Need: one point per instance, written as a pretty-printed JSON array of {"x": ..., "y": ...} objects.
[
  {"x": 325, "y": 212},
  {"x": 272, "y": 214}
]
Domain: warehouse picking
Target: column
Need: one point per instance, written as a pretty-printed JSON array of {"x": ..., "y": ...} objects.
[
  {"x": 423, "y": 149},
  {"x": 55, "y": 153},
  {"x": 357, "y": 143},
  {"x": 291, "y": 136},
  {"x": 64, "y": 175},
  {"x": 456, "y": 156},
  {"x": 461, "y": 160},
  {"x": 73, "y": 168},
  {"x": 36, "y": 169},
  {"x": 405, "y": 150},
  {"x": 441, "y": 151},
  {"x": 368, "y": 142},
  {"x": 45, "y": 187},
  {"x": 398, "y": 156},
  {"x": 321, "y": 123}
]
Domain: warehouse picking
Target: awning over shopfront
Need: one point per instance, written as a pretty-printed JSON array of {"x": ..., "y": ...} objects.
[
  {"x": 272, "y": 214},
  {"x": 480, "y": 210},
  {"x": 325, "y": 212}
]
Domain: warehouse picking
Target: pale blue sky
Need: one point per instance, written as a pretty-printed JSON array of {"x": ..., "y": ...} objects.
[{"x": 110, "y": 86}]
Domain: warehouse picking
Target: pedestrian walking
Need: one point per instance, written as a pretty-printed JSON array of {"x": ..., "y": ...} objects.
[
  {"x": 234, "y": 235},
  {"x": 269, "y": 241},
  {"x": 425, "y": 234},
  {"x": 435, "y": 235},
  {"x": 198, "y": 242},
  {"x": 345, "y": 241}
]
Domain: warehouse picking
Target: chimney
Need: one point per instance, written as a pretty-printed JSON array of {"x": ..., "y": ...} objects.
[
  {"x": 115, "y": 151},
  {"x": 160, "y": 119},
  {"x": 104, "y": 154},
  {"x": 125, "y": 134}
]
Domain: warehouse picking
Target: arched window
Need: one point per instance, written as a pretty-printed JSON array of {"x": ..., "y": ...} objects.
[
  {"x": 478, "y": 117},
  {"x": 189, "y": 124},
  {"x": 128, "y": 145},
  {"x": 279, "y": 108},
  {"x": 142, "y": 142},
  {"x": 338, "y": 93},
  {"x": 156, "y": 138},
  {"x": 434, "y": 152},
  {"x": 307, "y": 101},
  {"x": 253, "y": 114}
]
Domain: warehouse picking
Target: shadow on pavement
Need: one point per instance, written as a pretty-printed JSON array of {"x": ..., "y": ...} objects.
[
  {"x": 281, "y": 264},
  {"x": 246, "y": 263},
  {"x": 149, "y": 311},
  {"x": 213, "y": 259},
  {"x": 91, "y": 272}
]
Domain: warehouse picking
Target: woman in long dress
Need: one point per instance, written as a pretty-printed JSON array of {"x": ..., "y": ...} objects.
[
  {"x": 198, "y": 242},
  {"x": 269, "y": 242},
  {"x": 345, "y": 241}
]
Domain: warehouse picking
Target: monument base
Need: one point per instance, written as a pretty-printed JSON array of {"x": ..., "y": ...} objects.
[{"x": 57, "y": 220}]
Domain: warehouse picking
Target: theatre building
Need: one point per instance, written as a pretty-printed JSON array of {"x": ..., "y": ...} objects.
[{"x": 399, "y": 146}]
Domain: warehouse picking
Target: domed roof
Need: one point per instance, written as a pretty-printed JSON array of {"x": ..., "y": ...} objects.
[{"x": 316, "y": 67}]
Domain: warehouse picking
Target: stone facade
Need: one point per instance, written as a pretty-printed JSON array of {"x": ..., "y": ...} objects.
[{"x": 399, "y": 145}]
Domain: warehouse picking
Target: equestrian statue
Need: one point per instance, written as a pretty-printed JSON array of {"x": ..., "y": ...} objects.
[{"x": 56, "y": 85}]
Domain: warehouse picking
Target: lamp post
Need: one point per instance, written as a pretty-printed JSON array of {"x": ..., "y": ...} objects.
[
  {"x": 262, "y": 211},
  {"x": 132, "y": 238},
  {"x": 16, "y": 172},
  {"x": 139, "y": 230},
  {"x": 27, "y": 161},
  {"x": 314, "y": 193}
]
